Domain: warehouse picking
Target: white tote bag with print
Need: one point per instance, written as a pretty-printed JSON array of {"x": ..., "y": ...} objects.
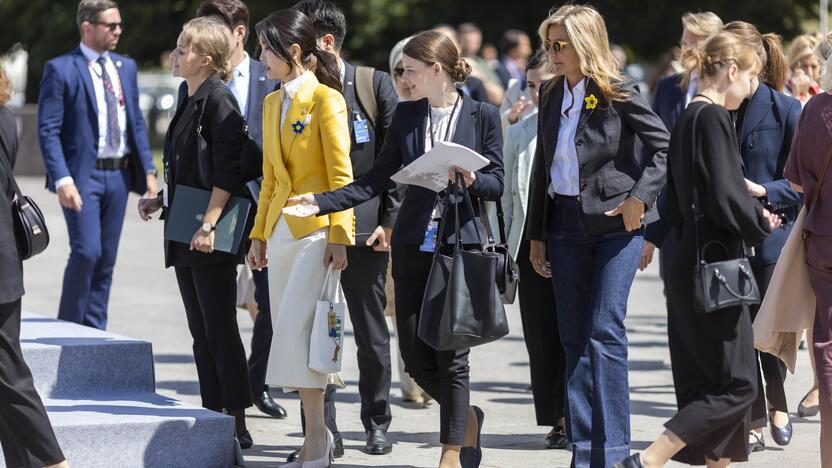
[{"x": 326, "y": 345}]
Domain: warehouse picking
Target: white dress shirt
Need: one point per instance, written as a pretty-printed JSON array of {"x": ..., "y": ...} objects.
[
  {"x": 691, "y": 91},
  {"x": 441, "y": 130},
  {"x": 239, "y": 83},
  {"x": 564, "y": 171},
  {"x": 101, "y": 102},
  {"x": 290, "y": 88}
]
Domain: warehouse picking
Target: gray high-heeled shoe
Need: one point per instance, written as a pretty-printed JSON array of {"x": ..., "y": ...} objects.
[{"x": 329, "y": 454}]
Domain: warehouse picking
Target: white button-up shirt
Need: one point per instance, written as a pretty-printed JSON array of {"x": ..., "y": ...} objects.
[
  {"x": 290, "y": 88},
  {"x": 564, "y": 171},
  {"x": 691, "y": 91},
  {"x": 101, "y": 102},
  {"x": 239, "y": 83}
]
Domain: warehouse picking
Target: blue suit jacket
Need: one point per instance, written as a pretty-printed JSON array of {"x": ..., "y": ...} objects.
[
  {"x": 765, "y": 138},
  {"x": 669, "y": 100},
  {"x": 68, "y": 121}
]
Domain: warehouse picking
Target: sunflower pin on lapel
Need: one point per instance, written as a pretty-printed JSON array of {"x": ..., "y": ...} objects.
[{"x": 591, "y": 102}]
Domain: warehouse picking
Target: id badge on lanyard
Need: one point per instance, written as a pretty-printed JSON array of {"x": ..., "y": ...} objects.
[
  {"x": 361, "y": 129},
  {"x": 431, "y": 233}
]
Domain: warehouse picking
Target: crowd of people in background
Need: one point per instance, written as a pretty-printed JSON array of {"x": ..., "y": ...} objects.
[{"x": 590, "y": 169}]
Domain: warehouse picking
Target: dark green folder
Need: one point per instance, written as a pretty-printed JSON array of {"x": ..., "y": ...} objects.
[{"x": 185, "y": 217}]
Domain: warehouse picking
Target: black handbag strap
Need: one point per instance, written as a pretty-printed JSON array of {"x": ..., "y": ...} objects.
[
  {"x": 455, "y": 187},
  {"x": 501, "y": 223},
  {"x": 7, "y": 166}
]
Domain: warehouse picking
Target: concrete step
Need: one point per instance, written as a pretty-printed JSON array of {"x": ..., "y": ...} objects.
[
  {"x": 145, "y": 430},
  {"x": 69, "y": 360},
  {"x": 99, "y": 392}
]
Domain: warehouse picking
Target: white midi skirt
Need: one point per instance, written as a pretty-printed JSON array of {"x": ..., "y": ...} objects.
[{"x": 296, "y": 278}]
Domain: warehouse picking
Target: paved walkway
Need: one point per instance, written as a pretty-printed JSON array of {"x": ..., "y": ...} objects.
[{"x": 145, "y": 304}]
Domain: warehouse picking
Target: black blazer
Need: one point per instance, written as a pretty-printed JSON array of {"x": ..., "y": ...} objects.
[
  {"x": 382, "y": 210},
  {"x": 478, "y": 128},
  {"x": 609, "y": 169},
  {"x": 222, "y": 127},
  {"x": 11, "y": 267},
  {"x": 765, "y": 138}
]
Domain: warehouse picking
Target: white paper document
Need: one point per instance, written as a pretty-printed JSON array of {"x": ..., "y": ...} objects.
[{"x": 431, "y": 169}]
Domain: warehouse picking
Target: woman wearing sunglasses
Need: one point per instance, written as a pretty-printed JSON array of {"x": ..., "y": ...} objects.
[{"x": 589, "y": 197}]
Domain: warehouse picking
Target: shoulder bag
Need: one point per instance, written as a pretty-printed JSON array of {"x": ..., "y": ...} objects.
[
  {"x": 30, "y": 230},
  {"x": 461, "y": 307},
  {"x": 718, "y": 285}
]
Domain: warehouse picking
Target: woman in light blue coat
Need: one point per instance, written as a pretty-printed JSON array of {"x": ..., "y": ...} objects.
[{"x": 540, "y": 329}]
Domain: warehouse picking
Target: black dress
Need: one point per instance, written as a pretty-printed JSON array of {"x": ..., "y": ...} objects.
[{"x": 714, "y": 366}]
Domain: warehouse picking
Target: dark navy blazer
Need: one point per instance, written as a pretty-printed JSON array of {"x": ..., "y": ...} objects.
[
  {"x": 765, "y": 138},
  {"x": 68, "y": 120},
  {"x": 403, "y": 143},
  {"x": 669, "y": 100}
]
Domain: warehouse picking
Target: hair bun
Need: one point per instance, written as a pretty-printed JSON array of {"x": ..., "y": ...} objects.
[{"x": 461, "y": 71}]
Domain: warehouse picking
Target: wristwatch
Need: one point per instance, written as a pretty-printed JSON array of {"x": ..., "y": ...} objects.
[{"x": 208, "y": 228}]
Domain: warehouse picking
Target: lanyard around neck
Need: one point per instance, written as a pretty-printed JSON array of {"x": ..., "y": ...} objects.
[{"x": 450, "y": 120}]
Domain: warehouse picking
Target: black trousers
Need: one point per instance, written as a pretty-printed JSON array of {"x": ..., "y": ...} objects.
[
  {"x": 773, "y": 369},
  {"x": 363, "y": 282},
  {"x": 547, "y": 361},
  {"x": 209, "y": 294},
  {"x": 442, "y": 374},
  {"x": 26, "y": 434},
  {"x": 261, "y": 335}
]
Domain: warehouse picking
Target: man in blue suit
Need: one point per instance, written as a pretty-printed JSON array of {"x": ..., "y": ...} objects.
[
  {"x": 95, "y": 148},
  {"x": 250, "y": 86}
]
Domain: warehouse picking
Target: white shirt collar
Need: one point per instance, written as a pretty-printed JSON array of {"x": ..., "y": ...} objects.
[
  {"x": 576, "y": 94},
  {"x": 243, "y": 68},
  {"x": 342, "y": 70},
  {"x": 290, "y": 88},
  {"x": 92, "y": 55}
]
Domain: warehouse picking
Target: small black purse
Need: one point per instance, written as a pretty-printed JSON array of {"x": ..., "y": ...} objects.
[
  {"x": 724, "y": 284},
  {"x": 461, "y": 306},
  {"x": 508, "y": 273},
  {"x": 30, "y": 230}
]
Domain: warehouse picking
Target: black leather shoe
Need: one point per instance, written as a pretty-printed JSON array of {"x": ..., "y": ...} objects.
[
  {"x": 633, "y": 461},
  {"x": 470, "y": 457},
  {"x": 265, "y": 403},
  {"x": 378, "y": 443},
  {"x": 758, "y": 445},
  {"x": 556, "y": 439},
  {"x": 338, "y": 451},
  {"x": 245, "y": 440},
  {"x": 782, "y": 436}
]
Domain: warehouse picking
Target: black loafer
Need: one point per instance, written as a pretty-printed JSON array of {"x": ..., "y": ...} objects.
[
  {"x": 758, "y": 445},
  {"x": 265, "y": 403},
  {"x": 245, "y": 440},
  {"x": 338, "y": 451},
  {"x": 633, "y": 461},
  {"x": 470, "y": 457},
  {"x": 378, "y": 443},
  {"x": 782, "y": 436},
  {"x": 556, "y": 439}
]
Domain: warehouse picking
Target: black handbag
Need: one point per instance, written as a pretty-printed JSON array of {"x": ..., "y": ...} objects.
[
  {"x": 251, "y": 156},
  {"x": 508, "y": 273},
  {"x": 30, "y": 230},
  {"x": 724, "y": 284},
  {"x": 461, "y": 307}
]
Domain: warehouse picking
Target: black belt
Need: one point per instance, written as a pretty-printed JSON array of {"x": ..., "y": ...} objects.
[
  {"x": 558, "y": 198},
  {"x": 112, "y": 164}
]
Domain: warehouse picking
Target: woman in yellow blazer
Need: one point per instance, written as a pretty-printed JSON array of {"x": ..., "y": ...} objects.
[{"x": 306, "y": 145}]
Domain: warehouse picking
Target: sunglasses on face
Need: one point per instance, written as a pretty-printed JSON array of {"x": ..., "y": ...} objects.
[
  {"x": 111, "y": 26},
  {"x": 554, "y": 46}
]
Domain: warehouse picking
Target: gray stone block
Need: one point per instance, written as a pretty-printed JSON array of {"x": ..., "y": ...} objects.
[{"x": 69, "y": 360}]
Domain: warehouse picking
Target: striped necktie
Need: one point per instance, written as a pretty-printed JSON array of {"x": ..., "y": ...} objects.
[{"x": 113, "y": 142}]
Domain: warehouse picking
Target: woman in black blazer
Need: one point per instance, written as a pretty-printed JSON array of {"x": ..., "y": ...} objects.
[
  {"x": 439, "y": 112},
  {"x": 589, "y": 196},
  {"x": 766, "y": 123},
  {"x": 208, "y": 279},
  {"x": 26, "y": 434}
]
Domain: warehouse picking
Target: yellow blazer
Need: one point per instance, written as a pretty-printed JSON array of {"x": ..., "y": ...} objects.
[{"x": 315, "y": 160}]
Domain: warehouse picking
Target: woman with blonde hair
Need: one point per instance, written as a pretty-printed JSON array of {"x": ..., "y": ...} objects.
[
  {"x": 805, "y": 67},
  {"x": 765, "y": 125},
  {"x": 207, "y": 278},
  {"x": 589, "y": 197},
  {"x": 712, "y": 354}
]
